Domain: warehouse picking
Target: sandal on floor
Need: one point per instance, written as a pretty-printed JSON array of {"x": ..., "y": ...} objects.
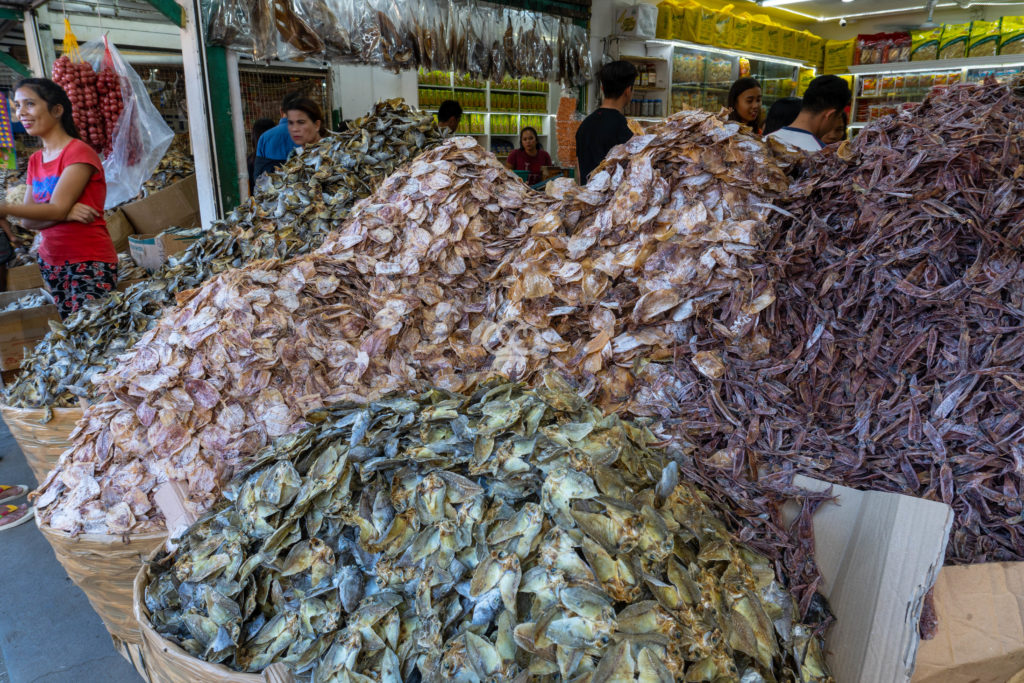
[
  {"x": 14, "y": 515},
  {"x": 9, "y": 493}
]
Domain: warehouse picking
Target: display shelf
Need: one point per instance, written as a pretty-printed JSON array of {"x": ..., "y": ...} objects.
[{"x": 938, "y": 65}]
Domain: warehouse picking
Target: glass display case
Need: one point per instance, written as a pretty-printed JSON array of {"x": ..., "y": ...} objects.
[
  {"x": 701, "y": 79},
  {"x": 883, "y": 89}
]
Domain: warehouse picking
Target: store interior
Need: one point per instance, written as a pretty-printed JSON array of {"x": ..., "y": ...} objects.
[{"x": 391, "y": 408}]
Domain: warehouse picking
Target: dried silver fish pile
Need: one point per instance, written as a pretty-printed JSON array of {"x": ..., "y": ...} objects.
[
  {"x": 127, "y": 269},
  {"x": 176, "y": 165},
  {"x": 241, "y": 359},
  {"x": 507, "y": 535},
  {"x": 28, "y": 301},
  {"x": 289, "y": 215}
]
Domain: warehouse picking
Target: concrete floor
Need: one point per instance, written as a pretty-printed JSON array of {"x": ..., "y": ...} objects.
[{"x": 48, "y": 631}]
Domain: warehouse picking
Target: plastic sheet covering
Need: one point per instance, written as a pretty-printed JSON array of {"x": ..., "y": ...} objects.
[
  {"x": 105, "y": 567},
  {"x": 42, "y": 434},
  {"x": 141, "y": 136},
  {"x": 168, "y": 663},
  {"x": 228, "y": 23},
  {"x": 296, "y": 34}
]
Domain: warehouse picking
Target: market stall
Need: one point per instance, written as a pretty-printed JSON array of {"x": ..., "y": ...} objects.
[{"x": 399, "y": 415}]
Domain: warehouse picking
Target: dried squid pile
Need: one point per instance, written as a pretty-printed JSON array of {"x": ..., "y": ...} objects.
[
  {"x": 241, "y": 359},
  {"x": 445, "y": 537},
  {"x": 289, "y": 215},
  {"x": 896, "y": 355}
]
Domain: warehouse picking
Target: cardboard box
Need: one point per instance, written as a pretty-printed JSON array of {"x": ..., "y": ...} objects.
[
  {"x": 120, "y": 228},
  {"x": 879, "y": 554},
  {"x": 21, "y": 278},
  {"x": 23, "y": 328},
  {"x": 980, "y": 637},
  {"x": 174, "y": 206}
]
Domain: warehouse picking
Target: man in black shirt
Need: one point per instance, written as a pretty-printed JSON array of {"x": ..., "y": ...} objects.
[{"x": 606, "y": 126}]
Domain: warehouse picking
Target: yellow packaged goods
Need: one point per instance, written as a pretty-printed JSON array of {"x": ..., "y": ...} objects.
[
  {"x": 705, "y": 24},
  {"x": 788, "y": 42},
  {"x": 773, "y": 39},
  {"x": 800, "y": 45},
  {"x": 984, "y": 41},
  {"x": 1011, "y": 36},
  {"x": 838, "y": 54},
  {"x": 723, "y": 27},
  {"x": 815, "y": 47},
  {"x": 741, "y": 31},
  {"x": 758, "y": 35},
  {"x": 924, "y": 44},
  {"x": 666, "y": 17},
  {"x": 953, "y": 44}
]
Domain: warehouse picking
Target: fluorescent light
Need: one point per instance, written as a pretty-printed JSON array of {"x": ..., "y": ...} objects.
[{"x": 731, "y": 53}]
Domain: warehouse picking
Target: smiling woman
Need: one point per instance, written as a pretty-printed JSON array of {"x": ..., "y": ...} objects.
[{"x": 67, "y": 190}]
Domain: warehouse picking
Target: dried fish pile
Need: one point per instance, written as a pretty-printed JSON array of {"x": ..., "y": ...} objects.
[
  {"x": 445, "y": 537},
  {"x": 176, "y": 165},
  {"x": 127, "y": 269},
  {"x": 896, "y": 359},
  {"x": 664, "y": 235},
  {"x": 29, "y": 301},
  {"x": 245, "y": 356},
  {"x": 289, "y": 215}
]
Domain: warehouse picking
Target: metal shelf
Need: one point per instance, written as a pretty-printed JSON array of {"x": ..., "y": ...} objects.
[{"x": 937, "y": 65}]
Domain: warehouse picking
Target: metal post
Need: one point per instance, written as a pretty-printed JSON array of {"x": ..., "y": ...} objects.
[
  {"x": 238, "y": 126},
  {"x": 39, "y": 43}
]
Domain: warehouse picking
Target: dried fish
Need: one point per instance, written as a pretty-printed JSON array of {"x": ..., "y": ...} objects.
[
  {"x": 450, "y": 537},
  {"x": 289, "y": 215},
  {"x": 28, "y": 301}
]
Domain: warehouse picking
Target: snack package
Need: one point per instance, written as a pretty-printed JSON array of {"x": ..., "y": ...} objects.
[
  {"x": 741, "y": 31},
  {"x": 723, "y": 27},
  {"x": 899, "y": 48},
  {"x": 788, "y": 38},
  {"x": 1011, "y": 36},
  {"x": 869, "y": 86},
  {"x": 758, "y": 35},
  {"x": 953, "y": 44},
  {"x": 984, "y": 40},
  {"x": 838, "y": 55},
  {"x": 773, "y": 39},
  {"x": 924, "y": 44}
]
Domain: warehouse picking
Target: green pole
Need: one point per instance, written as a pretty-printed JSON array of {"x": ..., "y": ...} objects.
[
  {"x": 14, "y": 65},
  {"x": 223, "y": 133}
]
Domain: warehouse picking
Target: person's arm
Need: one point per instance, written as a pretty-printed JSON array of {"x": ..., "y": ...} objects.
[{"x": 66, "y": 194}]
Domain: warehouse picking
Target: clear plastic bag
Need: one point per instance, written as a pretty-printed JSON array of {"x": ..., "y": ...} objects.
[
  {"x": 397, "y": 33},
  {"x": 296, "y": 30},
  {"x": 335, "y": 20},
  {"x": 547, "y": 55},
  {"x": 478, "y": 51},
  {"x": 264, "y": 35},
  {"x": 228, "y": 23},
  {"x": 498, "y": 65},
  {"x": 140, "y": 138}
]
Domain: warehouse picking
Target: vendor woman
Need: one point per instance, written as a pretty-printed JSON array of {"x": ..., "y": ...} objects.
[
  {"x": 745, "y": 102},
  {"x": 529, "y": 157},
  {"x": 67, "y": 190}
]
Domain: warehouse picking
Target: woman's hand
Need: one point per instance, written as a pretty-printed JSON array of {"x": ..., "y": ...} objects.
[{"x": 82, "y": 213}]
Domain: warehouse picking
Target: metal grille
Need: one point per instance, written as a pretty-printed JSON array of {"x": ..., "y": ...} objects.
[{"x": 263, "y": 89}]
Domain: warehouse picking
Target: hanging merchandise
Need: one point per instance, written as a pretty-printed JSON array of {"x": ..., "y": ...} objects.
[
  {"x": 78, "y": 79},
  {"x": 140, "y": 137},
  {"x": 488, "y": 43},
  {"x": 8, "y": 160}
]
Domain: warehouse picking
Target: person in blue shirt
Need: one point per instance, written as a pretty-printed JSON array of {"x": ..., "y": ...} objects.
[{"x": 274, "y": 146}]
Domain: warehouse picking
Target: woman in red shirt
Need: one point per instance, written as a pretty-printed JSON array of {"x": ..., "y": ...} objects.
[
  {"x": 67, "y": 190},
  {"x": 529, "y": 157}
]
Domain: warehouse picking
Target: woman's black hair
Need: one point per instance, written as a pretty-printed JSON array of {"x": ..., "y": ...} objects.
[
  {"x": 738, "y": 88},
  {"x": 532, "y": 130},
  {"x": 310, "y": 109},
  {"x": 782, "y": 113},
  {"x": 53, "y": 95}
]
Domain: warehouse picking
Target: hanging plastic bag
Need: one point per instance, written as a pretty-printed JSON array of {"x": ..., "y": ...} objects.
[
  {"x": 228, "y": 24},
  {"x": 455, "y": 37},
  {"x": 499, "y": 67},
  {"x": 140, "y": 138}
]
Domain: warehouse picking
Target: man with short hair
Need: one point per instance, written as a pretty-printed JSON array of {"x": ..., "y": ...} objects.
[
  {"x": 449, "y": 114},
  {"x": 274, "y": 146},
  {"x": 826, "y": 99},
  {"x": 606, "y": 126}
]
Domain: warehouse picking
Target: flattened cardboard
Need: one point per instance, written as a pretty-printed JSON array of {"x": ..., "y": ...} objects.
[
  {"x": 152, "y": 252},
  {"x": 170, "y": 499},
  {"x": 878, "y": 553},
  {"x": 119, "y": 228},
  {"x": 980, "y": 638},
  {"x": 21, "y": 278},
  {"x": 174, "y": 206},
  {"x": 23, "y": 328}
]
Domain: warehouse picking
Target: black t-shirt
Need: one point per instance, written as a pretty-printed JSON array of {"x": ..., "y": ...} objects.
[{"x": 595, "y": 137}]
